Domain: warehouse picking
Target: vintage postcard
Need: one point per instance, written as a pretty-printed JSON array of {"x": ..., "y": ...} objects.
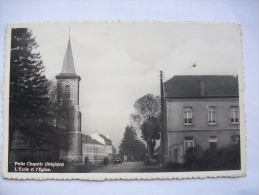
[{"x": 123, "y": 100}]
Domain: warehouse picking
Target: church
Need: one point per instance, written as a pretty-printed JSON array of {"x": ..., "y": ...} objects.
[
  {"x": 68, "y": 99},
  {"x": 69, "y": 116}
]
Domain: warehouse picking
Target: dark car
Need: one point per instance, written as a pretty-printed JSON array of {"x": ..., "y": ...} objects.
[{"x": 117, "y": 160}]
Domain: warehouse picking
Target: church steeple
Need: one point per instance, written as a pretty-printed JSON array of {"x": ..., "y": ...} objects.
[
  {"x": 68, "y": 98},
  {"x": 68, "y": 63},
  {"x": 68, "y": 67}
]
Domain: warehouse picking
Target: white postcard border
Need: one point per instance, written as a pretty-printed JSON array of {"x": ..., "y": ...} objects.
[{"x": 114, "y": 176}]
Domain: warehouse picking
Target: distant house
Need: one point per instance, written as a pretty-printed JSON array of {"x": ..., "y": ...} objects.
[
  {"x": 199, "y": 110},
  {"x": 93, "y": 150},
  {"x": 108, "y": 146},
  {"x": 96, "y": 147}
]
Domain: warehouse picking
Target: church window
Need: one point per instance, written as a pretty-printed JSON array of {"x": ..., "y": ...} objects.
[{"x": 67, "y": 92}]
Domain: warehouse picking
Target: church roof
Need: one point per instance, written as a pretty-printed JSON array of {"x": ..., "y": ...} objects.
[
  {"x": 68, "y": 68},
  {"x": 201, "y": 86}
]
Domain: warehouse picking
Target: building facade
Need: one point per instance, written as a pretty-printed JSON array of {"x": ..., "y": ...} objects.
[
  {"x": 199, "y": 110},
  {"x": 92, "y": 150},
  {"x": 96, "y": 147},
  {"x": 69, "y": 115},
  {"x": 109, "y": 149}
]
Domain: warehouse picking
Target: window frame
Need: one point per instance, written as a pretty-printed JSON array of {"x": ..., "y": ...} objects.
[
  {"x": 67, "y": 92},
  {"x": 213, "y": 139},
  {"x": 234, "y": 114},
  {"x": 190, "y": 141},
  {"x": 187, "y": 119},
  {"x": 211, "y": 110}
]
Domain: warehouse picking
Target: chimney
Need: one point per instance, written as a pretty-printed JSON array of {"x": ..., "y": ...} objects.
[{"x": 202, "y": 87}]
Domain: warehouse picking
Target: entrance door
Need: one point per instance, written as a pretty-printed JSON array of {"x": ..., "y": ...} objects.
[{"x": 175, "y": 155}]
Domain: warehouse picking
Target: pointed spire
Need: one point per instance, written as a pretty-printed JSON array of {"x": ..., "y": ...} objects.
[
  {"x": 68, "y": 63},
  {"x": 68, "y": 68}
]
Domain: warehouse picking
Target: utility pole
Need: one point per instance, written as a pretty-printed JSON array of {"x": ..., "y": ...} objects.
[{"x": 162, "y": 118}]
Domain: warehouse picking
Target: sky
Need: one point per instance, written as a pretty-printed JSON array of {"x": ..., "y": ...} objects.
[{"x": 119, "y": 62}]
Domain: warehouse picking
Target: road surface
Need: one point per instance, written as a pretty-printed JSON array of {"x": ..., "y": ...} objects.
[{"x": 127, "y": 167}]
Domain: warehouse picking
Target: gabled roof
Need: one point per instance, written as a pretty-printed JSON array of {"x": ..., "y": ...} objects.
[
  {"x": 107, "y": 140},
  {"x": 97, "y": 137},
  {"x": 201, "y": 86},
  {"x": 68, "y": 68},
  {"x": 89, "y": 140}
]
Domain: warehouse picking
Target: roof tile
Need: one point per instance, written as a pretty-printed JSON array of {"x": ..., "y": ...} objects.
[{"x": 201, "y": 86}]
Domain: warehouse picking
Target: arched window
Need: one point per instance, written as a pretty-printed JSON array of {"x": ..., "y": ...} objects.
[{"x": 67, "y": 92}]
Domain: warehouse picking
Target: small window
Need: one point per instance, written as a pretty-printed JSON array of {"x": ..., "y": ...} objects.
[
  {"x": 211, "y": 115},
  {"x": 67, "y": 92},
  {"x": 213, "y": 144},
  {"x": 187, "y": 115},
  {"x": 188, "y": 143},
  {"x": 234, "y": 115}
]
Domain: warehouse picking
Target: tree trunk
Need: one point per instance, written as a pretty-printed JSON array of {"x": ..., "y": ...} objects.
[
  {"x": 147, "y": 149},
  {"x": 149, "y": 139},
  {"x": 153, "y": 144}
]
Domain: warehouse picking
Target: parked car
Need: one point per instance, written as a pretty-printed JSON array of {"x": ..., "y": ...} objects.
[{"x": 117, "y": 160}]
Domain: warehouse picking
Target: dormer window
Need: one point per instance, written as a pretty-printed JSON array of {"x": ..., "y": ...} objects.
[{"x": 67, "y": 92}]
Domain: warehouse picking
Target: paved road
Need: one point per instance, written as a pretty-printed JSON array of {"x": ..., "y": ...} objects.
[{"x": 125, "y": 167}]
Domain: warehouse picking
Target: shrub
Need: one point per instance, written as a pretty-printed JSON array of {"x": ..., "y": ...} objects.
[
  {"x": 226, "y": 158},
  {"x": 151, "y": 161},
  {"x": 173, "y": 166}
]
